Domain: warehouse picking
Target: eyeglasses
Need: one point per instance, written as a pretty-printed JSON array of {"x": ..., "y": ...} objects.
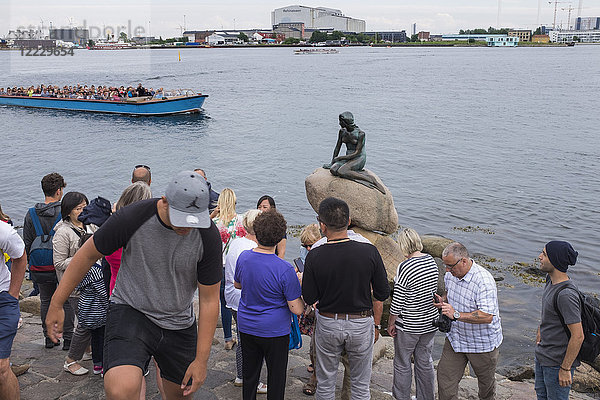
[
  {"x": 142, "y": 166},
  {"x": 453, "y": 265}
]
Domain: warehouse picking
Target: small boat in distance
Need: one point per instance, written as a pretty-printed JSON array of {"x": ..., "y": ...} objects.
[
  {"x": 316, "y": 51},
  {"x": 165, "y": 103}
]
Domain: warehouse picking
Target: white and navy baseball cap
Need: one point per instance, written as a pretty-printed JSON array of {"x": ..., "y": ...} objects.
[{"x": 188, "y": 198}]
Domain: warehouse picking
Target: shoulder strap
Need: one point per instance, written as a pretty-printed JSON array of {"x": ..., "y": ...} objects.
[
  {"x": 555, "y": 302},
  {"x": 36, "y": 222},
  {"x": 58, "y": 218},
  {"x": 35, "y": 219}
]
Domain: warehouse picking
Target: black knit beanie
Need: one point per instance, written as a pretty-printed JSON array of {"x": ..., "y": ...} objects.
[{"x": 561, "y": 254}]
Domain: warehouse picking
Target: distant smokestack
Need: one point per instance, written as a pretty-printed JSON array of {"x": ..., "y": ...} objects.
[{"x": 579, "y": 8}]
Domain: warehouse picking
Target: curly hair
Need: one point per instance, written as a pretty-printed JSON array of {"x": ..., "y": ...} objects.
[
  {"x": 51, "y": 183},
  {"x": 269, "y": 228}
]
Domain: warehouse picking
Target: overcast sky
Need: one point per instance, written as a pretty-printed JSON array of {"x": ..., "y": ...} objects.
[{"x": 166, "y": 18}]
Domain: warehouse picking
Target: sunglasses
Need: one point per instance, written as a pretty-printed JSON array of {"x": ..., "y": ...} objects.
[{"x": 142, "y": 166}]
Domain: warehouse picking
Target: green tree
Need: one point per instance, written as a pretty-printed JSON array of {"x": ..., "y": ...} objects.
[
  {"x": 123, "y": 36},
  {"x": 538, "y": 31},
  {"x": 318, "y": 36},
  {"x": 336, "y": 35},
  {"x": 414, "y": 38},
  {"x": 291, "y": 40},
  {"x": 576, "y": 39},
  {"x": 91, "y": 43},
  {"x": 243, "y": 37}
]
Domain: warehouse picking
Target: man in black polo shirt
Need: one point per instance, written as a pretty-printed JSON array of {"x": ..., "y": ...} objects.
[
  {"x": 170, "y": 249},
  {"x": 339, "y": 275}
]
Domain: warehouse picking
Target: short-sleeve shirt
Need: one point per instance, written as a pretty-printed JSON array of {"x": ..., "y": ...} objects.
[
  {"x": 11, "y": 244},
  {"x": 159, "y": 268},
  {"x": 474, "y": 291},
  {"x": 554, "y": 340},
  {"x": 238, "y": 245},
  {"x": 268, "y": 283}
]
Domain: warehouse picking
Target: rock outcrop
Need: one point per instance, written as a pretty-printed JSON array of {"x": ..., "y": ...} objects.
[
  {"x": 435, "y": 245},
  {"x": 30, "y": 305},
  {"x": 370, "y": 209},
  {"x": 388, "y": 248}
]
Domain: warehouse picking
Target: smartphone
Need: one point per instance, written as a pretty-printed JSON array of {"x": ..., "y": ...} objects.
[
  {"x": 299, "y": 264},
  {"x": 435, "y": 298}
]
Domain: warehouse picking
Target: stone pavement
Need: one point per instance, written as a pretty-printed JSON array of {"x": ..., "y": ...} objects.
[{"x": 46, "y": 378}]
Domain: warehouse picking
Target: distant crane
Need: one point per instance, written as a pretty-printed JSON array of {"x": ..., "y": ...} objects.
[
  {"x": 568, "y": 20},
  {"x": 556, "y": 3}
]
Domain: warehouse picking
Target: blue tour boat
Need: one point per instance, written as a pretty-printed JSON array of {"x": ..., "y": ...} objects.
[{"x": 177, "y": 102}]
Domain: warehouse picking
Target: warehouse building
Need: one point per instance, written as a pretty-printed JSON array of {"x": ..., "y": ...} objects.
[{"x": 317, "y": 18}]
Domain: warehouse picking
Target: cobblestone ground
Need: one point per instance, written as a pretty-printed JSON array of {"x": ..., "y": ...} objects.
[{"x": 46, "y": 378}]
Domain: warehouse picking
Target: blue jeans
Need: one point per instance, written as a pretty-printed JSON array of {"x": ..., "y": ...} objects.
[
  {"x": 546, "y": 383},
  {"x": 225, "y": 312},
  {"x": 9, "y": 318}
]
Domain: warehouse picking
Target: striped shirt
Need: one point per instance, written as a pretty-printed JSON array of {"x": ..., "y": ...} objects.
[
  {"x": 475, "y": 291},
  {"x": 412, "y": 301}
]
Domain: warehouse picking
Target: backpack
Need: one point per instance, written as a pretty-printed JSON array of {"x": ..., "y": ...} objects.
[
  {"x": 40, "y": 253},
  {"x": 590, "y": 321}
]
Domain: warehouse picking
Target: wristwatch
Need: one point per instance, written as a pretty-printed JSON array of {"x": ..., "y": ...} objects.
[
  {"x": 378, "y": 327},
  {"x": 456, "y": 315}
]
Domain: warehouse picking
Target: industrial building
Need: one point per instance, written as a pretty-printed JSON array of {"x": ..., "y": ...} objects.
[
  {"x": 78, "y": 36},
  {"x": 317, "y": 18}
]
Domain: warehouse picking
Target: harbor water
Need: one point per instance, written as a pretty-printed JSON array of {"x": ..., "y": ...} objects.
[{"x": 497, "y": 148}]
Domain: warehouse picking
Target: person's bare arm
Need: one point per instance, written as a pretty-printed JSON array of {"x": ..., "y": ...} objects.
[
  {"x": 377, "y": 313},
  {"x": 564, "y": 373},
  {"x": 471, "y": 317},
  {"x": 237, "y": 285},
  {"x": 296, "y": 306},
  {"x": 80, "y": 264},
  {"x": 208, "y": 312},
  {"x": 17, "y": 273}
]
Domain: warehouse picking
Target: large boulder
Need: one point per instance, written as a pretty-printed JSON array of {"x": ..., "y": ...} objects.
[
  {"x": 388, "y": 249},
  {"x": 435, "y": 245},
  {"x": 370, "y": 209},
  {"x": 30, "y": 305},
  {"x": 586, "y": 379}
]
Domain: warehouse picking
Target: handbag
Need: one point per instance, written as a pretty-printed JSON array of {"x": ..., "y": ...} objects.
[{"x": 295, "y": 336}]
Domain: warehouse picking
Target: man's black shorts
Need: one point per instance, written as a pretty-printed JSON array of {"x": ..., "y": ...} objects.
[{"x": 132, "y": 339}]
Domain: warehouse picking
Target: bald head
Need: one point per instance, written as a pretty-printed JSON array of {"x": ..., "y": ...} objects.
[{"x": 141, "y": 174}]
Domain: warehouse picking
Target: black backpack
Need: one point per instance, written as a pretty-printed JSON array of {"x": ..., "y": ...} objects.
[{"x": 590, "y": 321}]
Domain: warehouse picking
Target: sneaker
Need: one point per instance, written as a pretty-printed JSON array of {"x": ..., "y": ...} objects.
[
  {"x": 239, "y": 382},
  {"x": 98, "y": 370},
  {"x": 262, "y": 388},
  {"x": 229, "y": 344},
  {"x": 50, "y": 344},
  {"x": 66, "y": 344}
]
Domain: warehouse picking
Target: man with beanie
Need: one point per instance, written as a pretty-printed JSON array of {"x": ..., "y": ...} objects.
[{"x": 556, "y": 350}]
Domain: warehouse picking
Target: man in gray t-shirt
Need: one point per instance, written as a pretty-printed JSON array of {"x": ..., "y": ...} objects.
[
  {"x": 171, "y": 248},
  {"x": 557, "y": 344}
]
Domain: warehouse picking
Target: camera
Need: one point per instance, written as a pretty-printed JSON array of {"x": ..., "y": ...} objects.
[{"x": 443, "y": 323}]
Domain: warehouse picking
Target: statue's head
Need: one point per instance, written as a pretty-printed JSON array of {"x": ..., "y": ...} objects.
[{"x": 347, "y": 119}]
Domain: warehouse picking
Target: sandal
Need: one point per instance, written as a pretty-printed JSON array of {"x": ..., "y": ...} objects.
[
  {"x": 80, "y": 371},
  {"x": 309, "y": 387},
  {"x": 310, "y": 369}
]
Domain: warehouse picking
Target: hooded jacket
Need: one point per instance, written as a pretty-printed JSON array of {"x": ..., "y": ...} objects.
[{"x": 47, "y": 214}]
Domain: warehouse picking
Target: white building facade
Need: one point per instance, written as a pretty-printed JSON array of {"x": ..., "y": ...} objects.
[
  {"x": 583, "y": 36},
  {"x": 317, "y": 18}
]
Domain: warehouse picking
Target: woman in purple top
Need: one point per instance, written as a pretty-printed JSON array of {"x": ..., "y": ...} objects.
[{"x": 270, "y": 290}]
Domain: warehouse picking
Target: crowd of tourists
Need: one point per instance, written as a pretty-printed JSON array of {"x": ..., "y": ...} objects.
[
  {"x": 117, "y": 283},
  {"x": 92, "y": 92}
]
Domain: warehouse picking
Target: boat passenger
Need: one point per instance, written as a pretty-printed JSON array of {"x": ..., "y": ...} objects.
[{"x": 2, "y": 92}]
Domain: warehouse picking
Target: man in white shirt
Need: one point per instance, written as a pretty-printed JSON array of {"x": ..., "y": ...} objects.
[
  {"x": 471, "y": 301},
  {"x": 10, "y": 285}
]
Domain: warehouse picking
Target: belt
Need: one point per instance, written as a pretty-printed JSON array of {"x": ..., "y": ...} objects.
[{"x": 362, "y": 314}]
